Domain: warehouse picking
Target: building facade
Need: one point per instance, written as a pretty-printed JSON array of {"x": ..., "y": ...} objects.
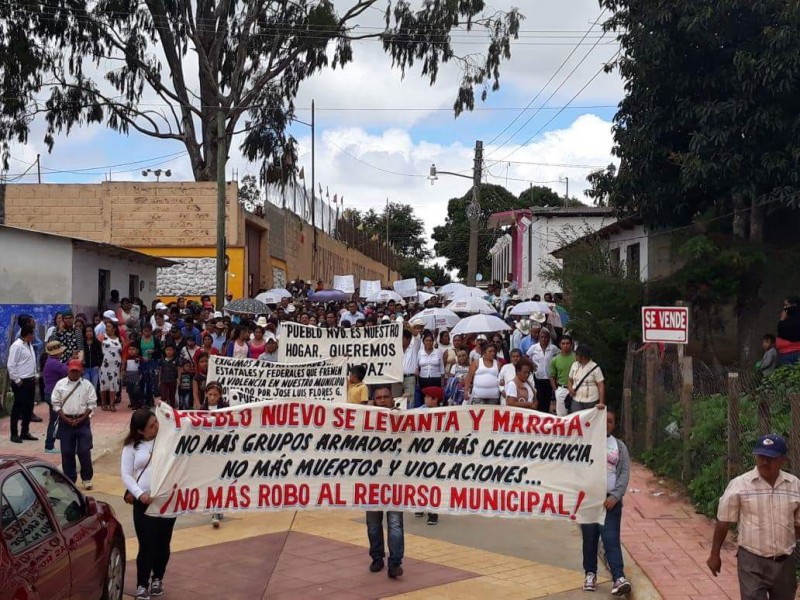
[{"x": 532, "y": 235}]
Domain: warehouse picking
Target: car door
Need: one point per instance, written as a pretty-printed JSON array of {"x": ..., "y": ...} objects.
[
  {"x": 85, "y": 535},
  {"x": 40, "y": 567}
]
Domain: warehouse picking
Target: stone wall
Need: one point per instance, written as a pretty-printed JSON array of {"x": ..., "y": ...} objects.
[{"x": 193, "y": 277}]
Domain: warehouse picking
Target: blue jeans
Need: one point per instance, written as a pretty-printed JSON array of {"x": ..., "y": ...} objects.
[
  {"x": 76, "y": 440},
  {"x": 394, "y": 528},
  {"x": 609, "y": 533},
  {"x": 92, "y": 375},
  {"x": 50, "y": 438}
]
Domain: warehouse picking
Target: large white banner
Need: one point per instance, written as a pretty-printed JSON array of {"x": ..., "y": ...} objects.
[
  {"x": 344, "y": 283},
  {"x": 379, "y": 349},
  {"x": 406, "y": 287},
  {"x": 246, "y": 380},
  {"x": 489, "y": 460},
  {"x": 369, "y": 287}
]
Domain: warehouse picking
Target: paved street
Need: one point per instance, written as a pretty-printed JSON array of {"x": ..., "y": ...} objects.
[{"x": 323, "y": 554}]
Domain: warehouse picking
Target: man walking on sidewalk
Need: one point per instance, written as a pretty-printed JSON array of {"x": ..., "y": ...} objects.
[
  {"x": 765, "y": 503},
  {"x": 22, "y": 372},
  {"x": 75, "y": 400}
]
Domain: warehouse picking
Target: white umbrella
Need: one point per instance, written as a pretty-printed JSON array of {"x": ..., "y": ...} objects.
[
  {"x": 526, "y": 309},
  {"x": 449, "y": 288},
  {"x": 438, "y": 318},
  {"x": 480, "y": 324},
  {"x": 423, "y": 297},
  {"x": 280, "y": 292},
  {"x": 471, "y": 305},
  {"x": 468, "y": 292},
  {"x": 268, "y": 298},
  {"x": 385, "y": 296}
]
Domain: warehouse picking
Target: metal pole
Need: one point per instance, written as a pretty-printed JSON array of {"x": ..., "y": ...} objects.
[
  {"x": 474, "y": 215},
  {"x": 388, "y": 268},
  {"x": 313, "y": 200},
  {"x": 39, "y": 167},
  {"x": 222, "y": 153},
  {"x": 567, "y": 180}
]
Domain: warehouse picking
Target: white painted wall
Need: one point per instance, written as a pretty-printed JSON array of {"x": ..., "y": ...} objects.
[
  {"x": 546, "y": 235},
  {"x": 628, "y": 237},
  {"x": 34, "y": 268},
  {"x": 86, "y": 271}
]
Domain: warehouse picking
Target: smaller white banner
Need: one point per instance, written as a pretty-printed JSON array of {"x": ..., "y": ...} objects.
[
  {"x": 344, "y": 283},
  {"x": 369, "y": 287},
  {"x": 406, "y": 287}
]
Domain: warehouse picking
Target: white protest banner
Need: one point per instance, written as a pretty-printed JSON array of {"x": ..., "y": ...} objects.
[
  {"x": 379, "y": 349},
  {"x": 246, "y": 380},
  {"x": 489, "y": 460},
  {"x": 344, "y": 283},
  {"x": 406, "y": 287},
  {"x": 369, "y": 287}
]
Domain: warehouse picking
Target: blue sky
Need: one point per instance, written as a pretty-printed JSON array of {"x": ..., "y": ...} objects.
[{"x": 405, "y": 141}]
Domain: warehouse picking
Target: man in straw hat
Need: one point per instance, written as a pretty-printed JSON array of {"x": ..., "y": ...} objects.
[{"x": 765, "y": 505}]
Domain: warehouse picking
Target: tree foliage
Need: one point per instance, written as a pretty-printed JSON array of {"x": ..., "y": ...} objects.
[
  {"x": 406, "y": 231},
  {"x": 168, "y": 69},
  {"x": 249, "y": 191},
  {"x": 538, "y": 195}
]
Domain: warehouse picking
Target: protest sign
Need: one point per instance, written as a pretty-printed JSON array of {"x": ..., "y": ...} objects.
[
  {"x": 369, "y": 287},
  {"x": 379, "y": 349},
  {"x": 246, "y": 380},
  {"x": 406, "y": 287},
  {"x": 489, "y": 460},
  {"x": 344, "y": 283}
]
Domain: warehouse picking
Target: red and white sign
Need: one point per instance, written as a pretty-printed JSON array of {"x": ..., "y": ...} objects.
[{"x": 665, "y": 324}]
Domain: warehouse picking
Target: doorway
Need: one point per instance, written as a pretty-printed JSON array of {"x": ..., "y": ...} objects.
[{"x": 103, "y": 288}]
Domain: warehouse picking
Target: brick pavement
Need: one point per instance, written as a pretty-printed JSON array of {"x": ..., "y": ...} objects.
[{"x": 670, "y": 542}]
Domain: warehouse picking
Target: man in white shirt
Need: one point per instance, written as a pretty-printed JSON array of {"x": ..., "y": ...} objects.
[
  {"x": 542, "y": 355},
  {"x": 352, "y": 315},
  {"x": 22, "y": 372},
  {"x": 161, "y": 310},
  {"x": 74, "y": 401},
  {"x": 429, "y": 288},
  {"x": 586, "y": 381}
]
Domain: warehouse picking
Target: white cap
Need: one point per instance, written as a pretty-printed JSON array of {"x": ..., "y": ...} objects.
[
  {"x": 417, "y": 322},
  {"x": 482, "y": 337},
  {"x": 217, "y": 314},
  {"x": 161, "y": 306},
  {"x": 385, "y": 319},
  {"x": 290, "y": 308},
  {"x": 110, "y": 314}
]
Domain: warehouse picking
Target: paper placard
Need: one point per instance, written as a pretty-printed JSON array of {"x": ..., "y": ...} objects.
[
  {"x": 369, "y": 287},
  {"x": 406, "y": 287},
  {"x": 344, "y": 283}
]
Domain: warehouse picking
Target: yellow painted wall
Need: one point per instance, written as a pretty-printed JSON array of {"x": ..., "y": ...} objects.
[{"x": 236, "y": 268}]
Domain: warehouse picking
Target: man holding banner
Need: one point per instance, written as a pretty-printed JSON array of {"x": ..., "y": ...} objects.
[{"x": 382, "y": 398}]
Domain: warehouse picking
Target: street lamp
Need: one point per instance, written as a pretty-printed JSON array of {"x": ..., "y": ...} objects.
[
  {"x": 157, "y": 172},
  {"x": 473, "y": 209}
]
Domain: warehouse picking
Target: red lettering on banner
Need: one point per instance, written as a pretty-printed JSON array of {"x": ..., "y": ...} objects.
[
  {"x": 476, "y": 416},
  {"x": 214, "y": 497},
  {"x": 538, "y": 424},
  {"x": 214, "y": 419},
  {"x": 283, "y": 495},
  {"x": 397, "y": 495},
  {"x": 295, "y": 414},
  {"x": 344, "y": 418},
  {"x": 428, "y": 421},
  {"x": 332, "y": 496}
]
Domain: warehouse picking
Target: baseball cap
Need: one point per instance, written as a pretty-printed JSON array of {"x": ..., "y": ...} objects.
[
  {"x": 434, "y": 392},
  {"x": 110, "y": 315},
  {"x": 481, "y": 338},
  {"x": 771, "y": 445},
  {"x": 161, "y": 306},
  {"x": 417, "y": 322},
  {"x": 75, "y": 365}
]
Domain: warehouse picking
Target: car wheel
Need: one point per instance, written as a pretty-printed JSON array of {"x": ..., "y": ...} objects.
[{"x": 115, "y": 573}]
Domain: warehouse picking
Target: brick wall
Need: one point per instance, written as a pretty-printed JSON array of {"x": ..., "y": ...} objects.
[{"x": 126, "y": 213}]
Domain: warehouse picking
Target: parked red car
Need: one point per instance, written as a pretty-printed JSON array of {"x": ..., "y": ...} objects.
[{"x": 56, "y": 543}]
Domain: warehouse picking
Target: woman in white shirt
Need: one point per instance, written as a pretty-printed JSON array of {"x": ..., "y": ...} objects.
[
  {"x": 519, "y": 392},
  {"x": 430, "y": 365},
  {"x": 153, "y": 533},
  {"x": 480, "y": 386},
  {"x": 508, "y": 372}
]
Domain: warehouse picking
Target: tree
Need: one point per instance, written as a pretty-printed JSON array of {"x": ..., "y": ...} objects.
[
  {"x": 410, "y": 268},
  {"x": 538, "y": 195},
  {"x": 250, "y": 192},
  {"x": 452, "y": 238},
  {"x": 169, "y": 69},
  {"x": 406, "y": 230},
  {"x": 719, "y": 136}
]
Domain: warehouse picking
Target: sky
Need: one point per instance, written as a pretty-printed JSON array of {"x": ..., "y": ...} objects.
[{"x": 378, "y": 133}]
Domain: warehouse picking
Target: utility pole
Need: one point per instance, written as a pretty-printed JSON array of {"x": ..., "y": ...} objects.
[
  {"x": 565, "y": 180},
  {"x": 388, "y": 267},
  {"x": 222, "y": 153},
  {"x": 39, "y": 167},
  {"x": 313, "y": 199},
  {"x": 474, "y": 214}
]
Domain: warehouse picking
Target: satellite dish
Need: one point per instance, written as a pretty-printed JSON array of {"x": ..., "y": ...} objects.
[
  {"x": 249, "y": 206},
  {"x": 479, "y": 277}
]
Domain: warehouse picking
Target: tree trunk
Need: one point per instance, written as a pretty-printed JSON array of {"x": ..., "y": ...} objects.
[
  {"x": 739, "y": 216},
  {"x": 749, "y": 301},
  {"x": 756, "y": 222}
]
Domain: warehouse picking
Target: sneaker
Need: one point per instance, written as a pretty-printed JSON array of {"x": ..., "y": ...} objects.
[
  {"x": 376, "y": 565},
  {"x": 87, "y": 485},
  {"x": 156, "y": 587},
  {"x": 29, "y": 437},
  {"x": 621, "y": 587},
  {"x": 52, "y": 450},
  {"x": 590, "y": 583},
  {"x": 433, "y": 519},
  {"x": 395, "y": 571},
  {"x": 215, "y": 519},
  {"x": 142, "y": 593},
  {"x": 422, "y": 514}
]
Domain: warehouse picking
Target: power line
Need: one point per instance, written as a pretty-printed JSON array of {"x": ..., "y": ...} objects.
[
  {"x": 539, "y": 93},
  {"x": 371, "y": 165}
]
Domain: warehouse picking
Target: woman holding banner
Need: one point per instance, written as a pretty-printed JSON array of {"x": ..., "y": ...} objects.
[
  {"x": 154, "y": 534},
  {"x": 618, "y": 469}
]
